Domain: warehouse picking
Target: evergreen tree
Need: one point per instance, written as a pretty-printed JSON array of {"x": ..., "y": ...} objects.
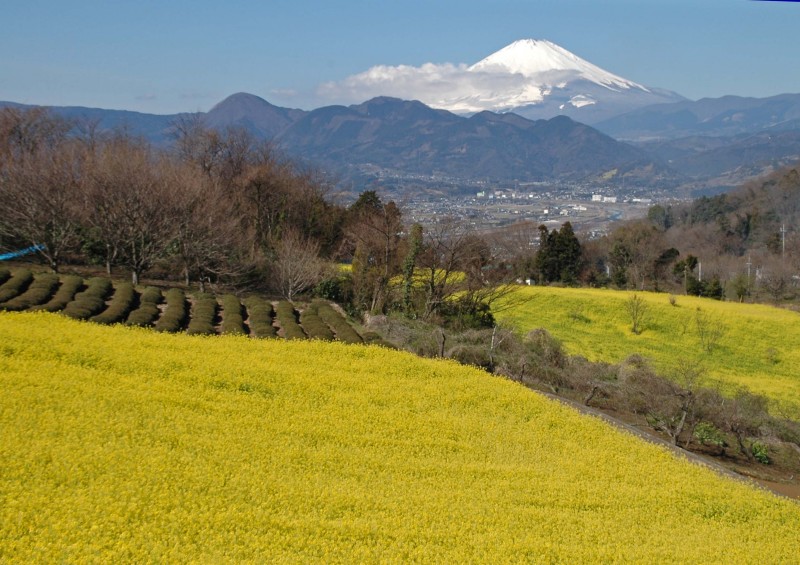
[{"x": 559, "y": 255}]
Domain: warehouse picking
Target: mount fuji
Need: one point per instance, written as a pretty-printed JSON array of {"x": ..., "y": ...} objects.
[{"x": 533, "y": 78}]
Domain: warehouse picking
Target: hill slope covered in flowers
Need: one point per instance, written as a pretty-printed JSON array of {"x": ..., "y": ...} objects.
[
  {"x": 757, "y": 346},
  {"x": 123, "y": 445}
]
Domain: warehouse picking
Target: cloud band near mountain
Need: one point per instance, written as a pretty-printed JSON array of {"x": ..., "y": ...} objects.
[{"x": 457, "y": 88}]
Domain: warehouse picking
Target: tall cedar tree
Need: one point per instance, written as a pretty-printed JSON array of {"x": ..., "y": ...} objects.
[{"x": 559, "y": 255}]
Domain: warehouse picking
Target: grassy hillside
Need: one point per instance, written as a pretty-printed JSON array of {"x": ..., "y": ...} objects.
[
  {"x": 759, "y": 346},
  {"x": 121, "y": 444}
]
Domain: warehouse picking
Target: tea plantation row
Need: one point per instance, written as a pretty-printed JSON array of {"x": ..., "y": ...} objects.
[{"x": 99, "y": 300}]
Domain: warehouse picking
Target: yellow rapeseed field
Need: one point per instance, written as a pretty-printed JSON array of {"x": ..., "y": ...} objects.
[
  {"x": 759, "y": 346},
  {"x": 125, "y": 445}
]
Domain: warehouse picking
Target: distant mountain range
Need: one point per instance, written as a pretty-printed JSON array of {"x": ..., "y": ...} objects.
[
  {"x": 408, "y": 137},
  {"x": 715, "y": 117},
  {"x": 512, "y": 116}
]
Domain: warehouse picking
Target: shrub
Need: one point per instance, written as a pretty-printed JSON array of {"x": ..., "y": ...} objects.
[
  {"x": 147, "y": 312},
  {"x": 15, "y": 285},
  {"x": 232, "y": 321},
  {"x": 91, "y": 301},
  {"x": 120, "y": 305},
  {"x": 337, "y": 288},
  {"x": 313, "y": 324},
  {"x": 204, "y": 314},
  {"x": 637, "y": 310},
  {"x": 374, "y": 338},
  {"x": 545, "y": 346},
  {"x": 259, "y": 317},
  {"x": 760, "y": 452},
  {"x": 287, "y": 320},
  {"x": 343, "y": 330},
  {"x": 63, "y": 296},
  {"x": 174, "y": 317},
  {"x": 40, "y": 290},
  {"x": 708, "y": 434},
  {"x": 468, "y": 354}
]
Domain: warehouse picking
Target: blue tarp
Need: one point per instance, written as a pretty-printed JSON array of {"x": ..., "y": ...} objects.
[{"x": 21, "y": 252}]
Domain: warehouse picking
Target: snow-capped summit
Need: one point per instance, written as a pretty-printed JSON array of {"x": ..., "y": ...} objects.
[
  {"x": 533, "y": 58},
  {"x": 530, "y": 77},
  {"x": 538, "y": 79}
]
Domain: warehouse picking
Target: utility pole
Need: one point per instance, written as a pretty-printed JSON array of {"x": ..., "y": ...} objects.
[{"x": 783, "y": 241}]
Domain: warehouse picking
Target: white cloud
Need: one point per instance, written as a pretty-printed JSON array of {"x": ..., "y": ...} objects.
[{"x": 457, "y": 88}]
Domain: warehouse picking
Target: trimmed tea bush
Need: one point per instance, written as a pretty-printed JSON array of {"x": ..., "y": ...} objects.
[
  {"x": 70, "y": 284},
  {"x": 40, "y": 290},
  {"x": 204, "y": 314},
  {"x": 287, "y": 320},
  {"x": 174, "y": 317},
  {"x": 91, "y": 301},
  {"x": 259, "y": 316},
  {"x": 147, "y": 312},
  {"x": 313, "y": 324},
  {"x": 232, "y": 321},
  {"x": 15, "y": 285},
  {"x": 343, "y": 330},
  {"x": 121, "y": 303}
]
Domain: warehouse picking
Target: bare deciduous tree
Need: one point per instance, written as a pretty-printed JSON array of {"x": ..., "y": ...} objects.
[
  {"x": 40, "y": 201},
  {"x": 297, "y": 266},
  {"x": 40, "y": 172},
  {"x": 709, "y": 330},
  {"x": 637, "y": 310},
  {"x": 208, "y": 237},
  {"x": 131, "y": 201}
]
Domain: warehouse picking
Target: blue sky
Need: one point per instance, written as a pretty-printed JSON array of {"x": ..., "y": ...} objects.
[{"x": 172, "y": 56}]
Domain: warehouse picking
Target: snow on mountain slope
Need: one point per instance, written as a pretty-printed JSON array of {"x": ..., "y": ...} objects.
[
  {"x": 535, "y": 78},
  {"x": 535, "y": 58}
]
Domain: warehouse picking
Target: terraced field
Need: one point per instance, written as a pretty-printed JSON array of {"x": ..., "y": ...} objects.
[
  {"x": 100, "y": 300},
  {"x": 756, "y": 346},
  {"x": 124, "y": 445}
]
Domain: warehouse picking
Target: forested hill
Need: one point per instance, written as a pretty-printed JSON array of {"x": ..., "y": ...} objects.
[
  {"x": 749, "y": 218},
  {"x": 744, "y": 244}
]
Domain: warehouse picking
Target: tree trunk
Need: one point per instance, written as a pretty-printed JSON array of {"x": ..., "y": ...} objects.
[
  {"x": 591, "y": 394},
  {"x": 679, "y": 427}
]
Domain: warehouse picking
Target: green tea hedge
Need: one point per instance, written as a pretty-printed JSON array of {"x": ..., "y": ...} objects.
[
  {"x": 70, "y": 285},
  {"x": 204, "y": 314},
  {"x": 259, "y": 317},
  {"x": 39, "y": 291},
  {"x": 120, "y": 305},
  {"x": 174, "y": 317},
  {"x": 147, "y": 311},
  {"x": 313, "y": 325},
  {"x": 340, "y": 326},
  {"x": 287, "y": 320},
  {"x": 232, "y": 319},
  {"x": 15, "y": 285},
  {"x": 91, "y": 301}
]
